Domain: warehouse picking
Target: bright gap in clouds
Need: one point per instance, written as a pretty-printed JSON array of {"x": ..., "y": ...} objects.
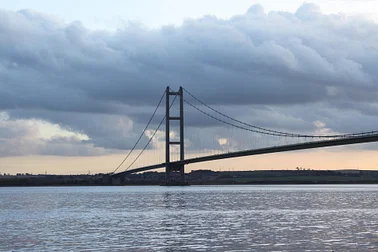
[
  {"x": 39, "y": 129},
  {"x": 49, "y": 131},
  {"x": 114, "y": 14}
]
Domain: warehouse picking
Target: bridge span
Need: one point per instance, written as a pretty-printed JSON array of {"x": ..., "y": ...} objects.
[
  {"x": 176, "y": 168},
  {"x": 275, "y": 149}
]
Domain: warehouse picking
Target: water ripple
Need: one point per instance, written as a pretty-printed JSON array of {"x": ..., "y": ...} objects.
[{"x": 208, "y": 218}]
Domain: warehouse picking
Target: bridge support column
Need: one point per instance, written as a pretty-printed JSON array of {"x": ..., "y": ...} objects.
[
  {"x": 174, "y": 171},
  {"x": 175, "y": 175},
  {"x": 116, "y": 181}
]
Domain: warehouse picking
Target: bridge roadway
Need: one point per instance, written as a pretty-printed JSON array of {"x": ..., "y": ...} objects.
[{"x": 291, "y": 147}]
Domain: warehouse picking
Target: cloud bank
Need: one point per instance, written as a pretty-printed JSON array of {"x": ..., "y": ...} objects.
[{"x": 279, "y": 70}]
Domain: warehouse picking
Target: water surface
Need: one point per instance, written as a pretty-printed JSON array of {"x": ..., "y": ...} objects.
[{"x": 195, "y": 218}]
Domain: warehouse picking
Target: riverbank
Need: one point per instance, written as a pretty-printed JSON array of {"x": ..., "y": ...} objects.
[{"x": 201, "y": 177}]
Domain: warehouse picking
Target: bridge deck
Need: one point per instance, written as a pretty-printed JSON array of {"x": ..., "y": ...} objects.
[{"x": 292, "y": 147}]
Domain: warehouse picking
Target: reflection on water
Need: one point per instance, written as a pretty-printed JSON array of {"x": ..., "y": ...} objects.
[{"x": 207, "y": 218}]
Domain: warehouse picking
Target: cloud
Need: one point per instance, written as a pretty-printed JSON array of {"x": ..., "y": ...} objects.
[
  {"x": 277, "y": 66},
  {"x": 35, "y": 137}
]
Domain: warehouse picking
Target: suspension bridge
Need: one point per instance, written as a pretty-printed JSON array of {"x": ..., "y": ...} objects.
[{"x": 227, "y": 137}]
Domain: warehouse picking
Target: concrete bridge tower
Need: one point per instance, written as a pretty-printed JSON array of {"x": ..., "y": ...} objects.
[{"x": 174, "y": 173}]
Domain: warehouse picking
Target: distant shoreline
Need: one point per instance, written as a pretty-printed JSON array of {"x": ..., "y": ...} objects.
[
  {"x": 197, "y": 184},
  {"x": 202, "y": 177}
]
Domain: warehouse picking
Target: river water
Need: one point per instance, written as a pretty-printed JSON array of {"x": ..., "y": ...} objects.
[{"x": 194, "y": 218}]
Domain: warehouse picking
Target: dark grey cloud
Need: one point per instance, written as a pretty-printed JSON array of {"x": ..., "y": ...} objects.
[{"x": 280, "y": 70}]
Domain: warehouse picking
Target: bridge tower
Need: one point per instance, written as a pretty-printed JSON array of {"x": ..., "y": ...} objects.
[{"x": 174, "y": 172}]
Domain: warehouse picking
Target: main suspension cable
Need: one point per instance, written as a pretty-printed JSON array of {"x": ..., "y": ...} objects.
[
  {"x": 265, "y": 131},
  {"x": 141, "y": 135},
  {"x": 228, "y": 123},
  {"x": 153, "y": 135}
]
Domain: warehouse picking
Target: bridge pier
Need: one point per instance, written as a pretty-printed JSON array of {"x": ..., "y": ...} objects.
[
  {"x": 117, "y": 181},
  {"x": 175, "y": 175}
]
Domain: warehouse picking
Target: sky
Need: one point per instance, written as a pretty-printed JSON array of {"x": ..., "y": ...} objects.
[
  {"x": 112, "y": 14},
  {"x": 79, "y": 79}
]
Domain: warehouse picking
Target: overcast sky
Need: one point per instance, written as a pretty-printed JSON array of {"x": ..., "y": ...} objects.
[{"x": 79, "y": 79}]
